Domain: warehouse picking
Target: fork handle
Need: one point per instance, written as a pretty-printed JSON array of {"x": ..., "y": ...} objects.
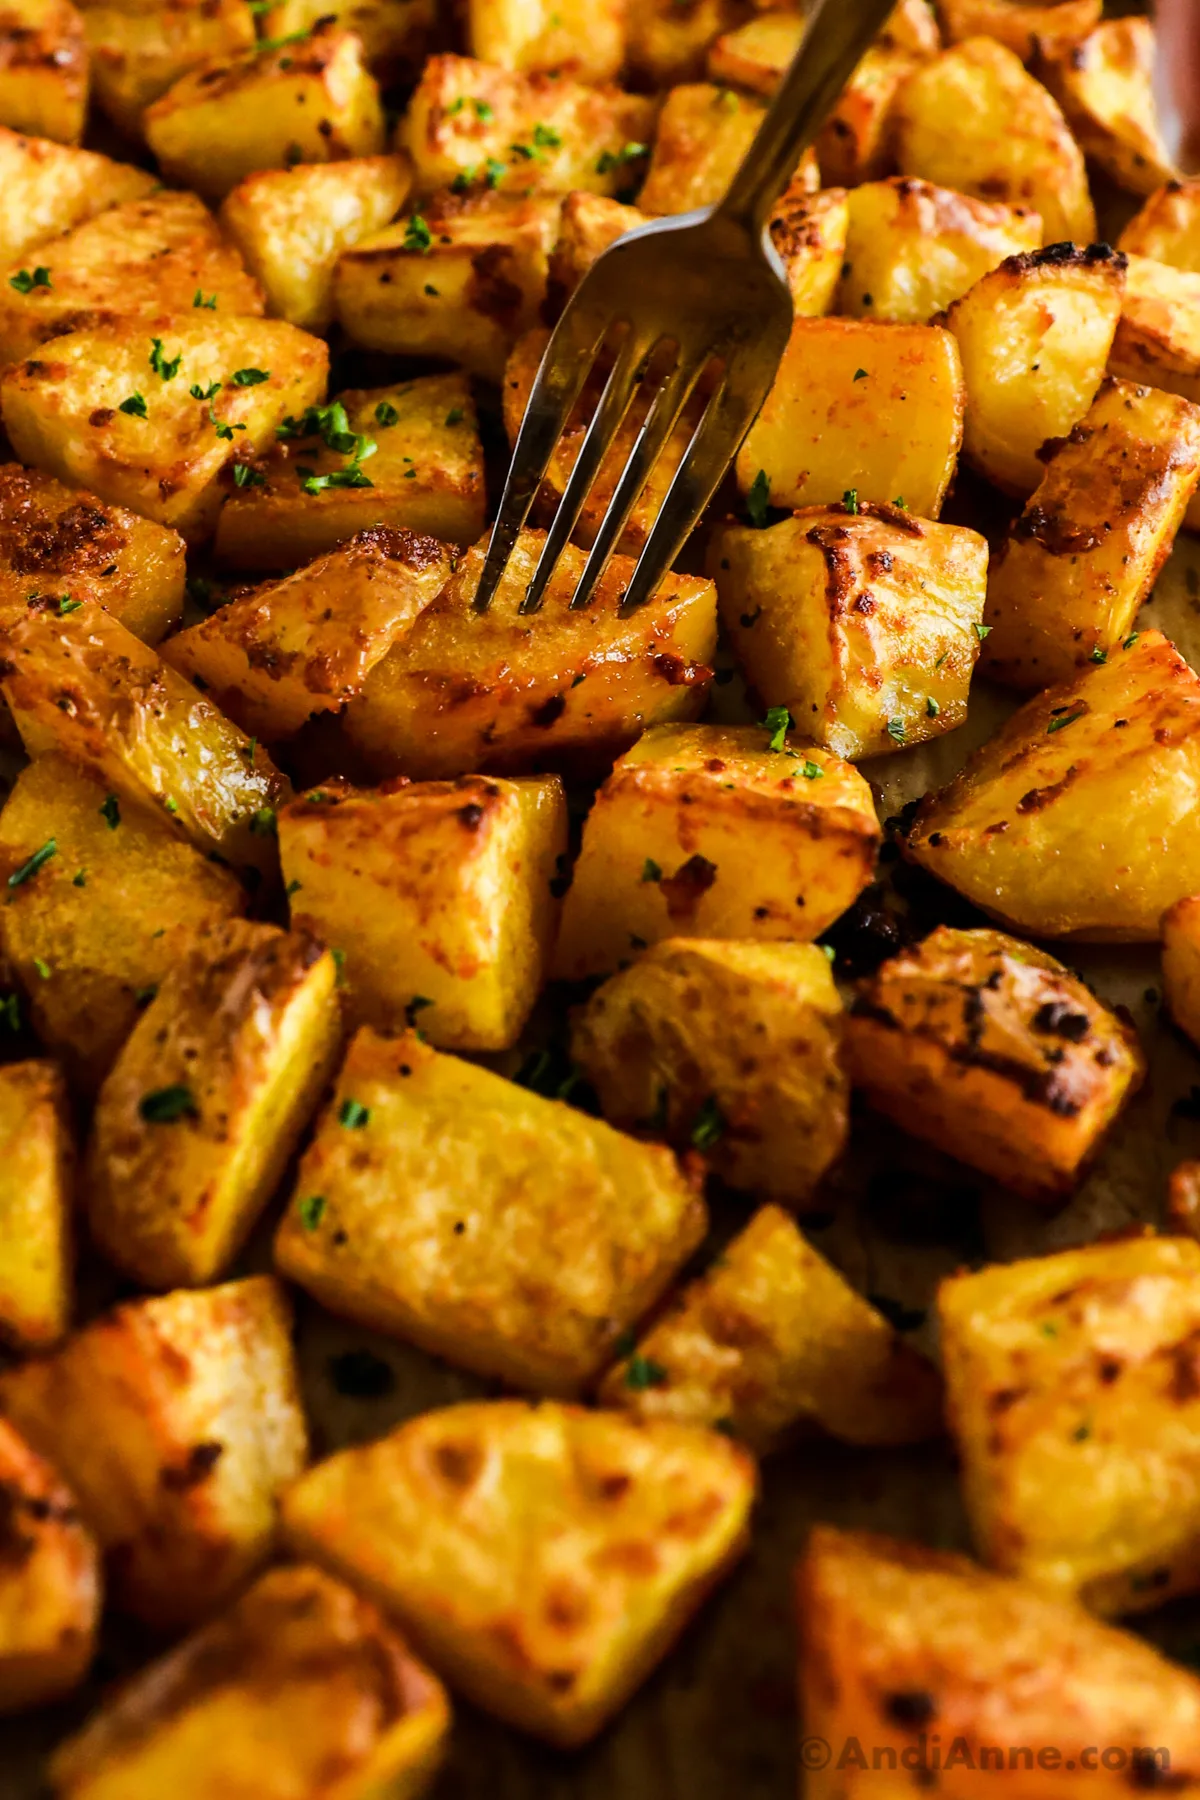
[{"x": 838, "y": 33}]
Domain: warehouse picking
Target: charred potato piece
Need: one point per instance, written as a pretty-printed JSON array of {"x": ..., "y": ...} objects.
[
  {"x": 136, "y": 55},
  {"x": 563, "y": 1236},
  {"x": 300, "y": 1675},
  {"x": 1066, "y": 585},
  {"x": 395, "y": 33},
  {"x": 456, "y": 1522},
  {"x": 863, "y": 625},
  {"x": 37, "y": 1205},
  {"x": 703, "y": 134},
  {"x": 1026, "y": 27},
  {"x": 1077, "y": 819},
  {"x": 1071, "y": 1398},
  {"x": 49, "y": 1581},
  {"x": 46, "y": 188},
  {"x": 580, "y": 38},
  {"x": 991, "y": 1050},
  {"x": 1167, "y": 230},
  {"x": 1158, "y": 335},
  {"x": 177, "y": 1421},
  {"x": 809, "y": 232},
  {"x": 1181, "y": 964},
  {"x": 857, "y": 141},
  {"x": 440, "y": 897},
  {"x": 1105, "y": 86},
  {"x": 668, "y": 847},
  {"x": 43, "y": 69},
  {"x": 666, "y": 42}
]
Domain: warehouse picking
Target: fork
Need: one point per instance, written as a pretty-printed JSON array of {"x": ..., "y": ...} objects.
[{"x": 685, "y": 292}]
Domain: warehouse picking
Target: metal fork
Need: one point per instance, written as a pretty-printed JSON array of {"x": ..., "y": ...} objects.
[{"x": 686, "y": 290}]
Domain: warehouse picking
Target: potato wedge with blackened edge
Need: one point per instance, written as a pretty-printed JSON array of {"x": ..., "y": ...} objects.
[
  {"x": 580, "y": 38},
  {"x": 910, "y": 1654},
  {"x": 440, "y": 897},
  {"x": 511, "y": 1234},
  {"x": 1026, "y": 27},
  {"x": 1073, "y": 1396},
  {"x": 46, "y": 188},
  {"x": 43, "y": 69},
  {"x": 301, "y": 1675},
  {"x": 1078, "y": 819},
  {"x": 1181, "y": 964},
  {"x": 857, "y": 141},
  {"x": 37, "y": 1205},
  {"x": 1167, "y": 230},
  {"x": 673, "y": 846},
  {"x": 991, "y": 1050},
  {"x": 49, "y": 1581},
  {"x": 177, "y": 1422},
  {"x": 703, "y": 133},
  {"x": 1158, "y": 336},
  {"x": 734, "y": 1049},
  {"x": 770, "y": 1342},
  {"x": 543, "y": 1557},
  {"x": 1105, "y": 86},
  {"x": 135, "y": 56}
]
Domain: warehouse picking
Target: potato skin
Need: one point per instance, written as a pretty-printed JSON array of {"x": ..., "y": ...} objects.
[
  {"x": 49, "y": 1581},
  {"x": 1105, "y": 86},
  {"x": 1167, "y": 229},
  {"x": 452, "y": 1520},
  {"x": 37, "y": 1205},
  {"x": 43, "y": 69},
  {"x": 46, "y": 188}
]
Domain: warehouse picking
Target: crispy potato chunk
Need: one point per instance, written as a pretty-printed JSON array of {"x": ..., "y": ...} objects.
[
  {"x": 462, "y": 281},
  {"x": 912, "y": 25},
  {"x": 669, "y": 846},
  {"x": 37, "y": 1205},
  {"x": 545, "y": 1557},
  {"x": 46, "y": 188},
  {"x": 857, "y": 141},
  {"x": 1024, "y": 26},
  {"x": 1105, "y": 86},
  {"x": 973, "y": 119},
  {"x": 581, "y": 38},
  {"x": 440, "y": 897},
  {"x": 94, "y": 928},
  {"x": 991, "y": 1050},
  {"x": 862, "y": 624},
  {"x": 824, "y": 430},
  {"x": 136, "y": 55},
  {"x": 754, "y": 56},
  {"x": 139, "y": 726},
  {"x": 771, "y": 1341},
  {"x": 177, "y": 1421},
  {"x": 703, "y": 134},
  {"x": 664, "y": 1044},
  {"x": 809, "y": 231},
  {"x": 471, "y": 125},
  {"x": 43, "y": 69},
  {"x": 49, "y": 1581},
  {"x": 395, "y": 33},
  {"x": 310, "y": 102},
  {"x": 666, "y": 42},
  {"x": 1077, "y": 819},
  {"x": 1071, "y": 1399},
  {"x": 425, "y": 475},
  {"x": 206, "y": 1102},
  {"x": 1167, "y": 230},
  {"x": 1034, "y": 337},
  {"x": 1158, "y": 336},
  {"x": 897, "y": 1636},
  {"x": 587, "y": 225},
  {"x": 55, "y": 539},
  {"x": 1181, "y": 964},
  {"x": 464, "y": 692},
  {"x": 300, "y": 1676},
  {"x": 1066, "y": 585},
  {"x": 306, "y": 644}
]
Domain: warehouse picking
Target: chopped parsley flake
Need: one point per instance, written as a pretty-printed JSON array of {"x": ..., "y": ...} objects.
[
  {"x": 386, "y": 414},
  {"x": 110, "y": 812},
  {"x": 1063, "y": 720},
  {"x": 709, "y": 1128},
  {"x": 353, "y": 1114},
  {"x": 812, "y": 771},
  {"x": 208, "y": 393},
  {"x": 210, "y": 304},
  {"x": 643, "y": 1372},
  {"x": 897, "y": 730},
  {"x": 615, "y": 159},
  {"x": 454, "y": 416},
  {"x": 263, "y": 823},
  {"x": 164, "y": 1106},
  {"x": 311, "y": 1209},
  {"x": 1099, "y": 654},
  {"x": 1131, "y": 640},
  {"x": 982, "y": 631},
  {"x": 931, "y": 707},
  {"x": 850, "y": 500},
  {"x": 135, "y": 406},
  {"x": 67, "y": 605},
  {"x": 246, "y": 477},
  {"x": 221, "y": 428},
  {"x": 80, "y": 878},
  {"x": 651, "y": 870},
  {"x": 37, "y": 861},
  {"x": 43, "y": 968},
  {"x": 250, "y": 377},
  {"x": 758, "y": 499},
  {"x": 24, "y": 282},
  {"x": 417, "y": 235},
  {"x": 166, "y": 366},
  {"x": 860, "y": 374},
  {"x": 777, "y": 722}
]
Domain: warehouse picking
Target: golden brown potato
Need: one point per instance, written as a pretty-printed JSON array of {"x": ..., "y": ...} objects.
[
  {"x": 587, "y": 225},
  {"x": 666, "y": 42},
  {"x": 703, "y": 134},
  {"x": 916, "y": 1654},
  {"x": 37, "y": 1206},
  {"x": 1167, "y": 230},
  {"x": 809, "y": 231},
  {"x": 1070, "y": 1396},
  {"x": 872, "y": 410},
  {"x": 912, "y": 25},
  {"x": 177, "y": 1421},
  {"x": 464, "y": 692},
  {"x": 43, "y": 69},
  {"x": 1024, "y": 26},
  {"x": 1105, "y": 86},
  {"x": 1158, "y": 335},
  {"x": 1066, "y": 585},
  {"x": 395, "y": 33},
  {"x": 298, "y": 1677},
  {"x": 991, "y": 1050},
  {"x": 1034, "y": 337},
  {"x": 49, "y": 1581},
  {"x": 973, "y": 119},
  {"x": 755, "y": 55},
  {"x": 136, "y": 54},
  {"x": 771, "y": 1341},
  {"x": 458, "y": 1521},
  {"x": 1181, "y": 964},
  {"x": 671, "y": 847},
  {"x": 862, "y": 625},
  {"x": 46, "y": 188},
  {"x": 440, "y": 898},
  {"x": 560, "y": 1238},
  {"x": 583, "y": 39},
  {"x": 281, "y": 652},
  {"x": 1077, "y": 819},
  {"x": 857, "y": 141}
]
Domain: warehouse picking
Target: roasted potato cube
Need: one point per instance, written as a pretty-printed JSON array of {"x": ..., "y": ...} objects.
[
  {"x": 1026, "y": 27},
  {"x": 897, "y": 1636},
  {"x": 395, "y": 33},
  {"x": 53, "y": 538},
  {"x": 587, "y": 225},
  {"x": 733, "y": 1048},
  {"x": 177, "y": 1421},
  {"x": 37, "y": 1203},
  {"x": 666, "y": 42},
  {"x": 1181, "y": 964},
  {"x": 1065, "y": 587},
  {"x": 703, "y": 134},
  {"x": 809, "y": 231},
  {"x": 857, "y": 141},
  {"x": 95, "y": 411},
  {"x": 1078, "y": 818},
  {"x": 300, "y": 1676},
  {"x": 1105, "y": 86},
  {"x": 1034, "y": 336},
  {"x": 308, "y": 102},
  {"x": 872, "y": 410},
  {"x": 668, "y": 846},
  {"x": 755, "y": 55},
  {"x": 305, "y": 644},
  {"x": 863, "y": 625},
  {"x": 912, "y": 25},
  {"x": 770, "y": 1341},
  {"x": 460, "y": 1522},
  {"x": 1158, "y": 335},
  {"x": 140, "y": 727},
  {"x": 137, "y": 54},
  {"x": 471, "y": 125},
  {"x": 1077, "y": 1423},
  {"x": 463, "y": 282},
  {"x": 49, "y": 1581},
  {"x": 440, "y": 897},
  {"x": 1167, "y": 230},
  {"x": 46, "y": 188},
  {"x": 973, "y": 119},
  {"x": 465, "y": 692},
  {"x": 586, "y": 41},
  {"x": 994, "y": 1052},
  {"x": 206, "y": 1102},
  {"x": 43, "y": 69},
  {"x": 425, "y": 475}
]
